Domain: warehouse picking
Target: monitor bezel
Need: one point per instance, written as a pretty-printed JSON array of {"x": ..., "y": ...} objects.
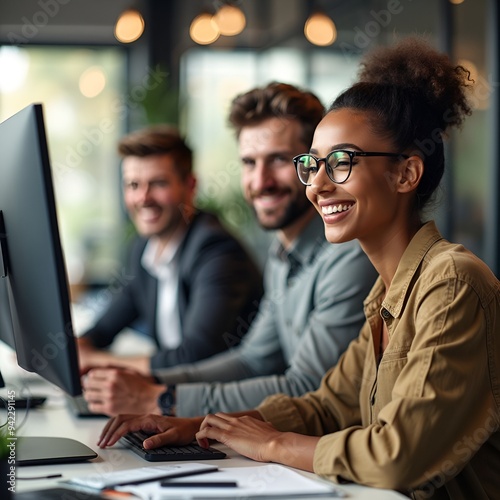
[{"x": 67, "y": 375}]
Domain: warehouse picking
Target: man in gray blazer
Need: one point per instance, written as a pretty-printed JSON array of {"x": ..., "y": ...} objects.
[
  {"x": 312, "y": 305},
  {"x": 189, "y": 280}
]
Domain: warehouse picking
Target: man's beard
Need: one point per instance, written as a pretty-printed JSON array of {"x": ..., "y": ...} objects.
[{"x": 293, "y": 212}]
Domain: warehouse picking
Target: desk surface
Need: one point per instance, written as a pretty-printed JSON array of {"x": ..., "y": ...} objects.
[{"x": 54, "y": 419}]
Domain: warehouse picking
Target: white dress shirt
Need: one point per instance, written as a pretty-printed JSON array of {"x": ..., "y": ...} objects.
[{"x": 165, "y": 268}]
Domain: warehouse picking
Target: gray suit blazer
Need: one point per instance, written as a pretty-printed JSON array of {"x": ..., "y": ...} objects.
[{"x": 218, "y": 294}]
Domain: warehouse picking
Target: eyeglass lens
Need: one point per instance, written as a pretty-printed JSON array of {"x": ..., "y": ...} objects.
[{"x": 337, "y": 165}]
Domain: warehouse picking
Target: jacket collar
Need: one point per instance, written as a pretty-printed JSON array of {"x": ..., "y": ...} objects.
[{"x": 411, "y": 260}]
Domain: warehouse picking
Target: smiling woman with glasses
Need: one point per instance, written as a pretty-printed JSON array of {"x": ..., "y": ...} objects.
[
  {"x": 338, "y": 164},
  {"x": 401, "y": 406},
  {"x": 414, "y": 403}
]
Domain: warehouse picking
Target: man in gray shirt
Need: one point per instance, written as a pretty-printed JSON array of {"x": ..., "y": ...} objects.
[{"x": 312, "y": 307}]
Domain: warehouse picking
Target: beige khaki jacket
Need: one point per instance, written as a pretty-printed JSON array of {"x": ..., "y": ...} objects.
[{"x": 424, "y": 420}]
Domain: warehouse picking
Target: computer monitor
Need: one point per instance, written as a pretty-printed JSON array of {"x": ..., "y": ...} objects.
[
  {"x": 6, "y": 330},
  {"x": 32, "y": 270}
]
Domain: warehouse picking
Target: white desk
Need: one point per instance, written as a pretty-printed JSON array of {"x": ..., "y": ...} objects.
[{"x": 53, "y": 419}]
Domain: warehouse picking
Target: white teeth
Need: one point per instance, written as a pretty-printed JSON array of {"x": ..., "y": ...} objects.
[
  {"x": 332, "y": 209},
  {"x": 148, "y": 213}
]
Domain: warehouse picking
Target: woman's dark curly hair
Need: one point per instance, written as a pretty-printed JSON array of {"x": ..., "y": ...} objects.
[{"x": 414, "y": 95}]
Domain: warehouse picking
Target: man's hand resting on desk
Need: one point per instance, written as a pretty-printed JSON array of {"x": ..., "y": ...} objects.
[
  {"x": 166, "y": 430},
  {"x": 115, "y": 390},
  {"x": 90, "y": 357}
]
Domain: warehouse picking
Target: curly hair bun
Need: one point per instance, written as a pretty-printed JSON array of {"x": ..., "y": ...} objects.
[{"x": 414, "y": 64}]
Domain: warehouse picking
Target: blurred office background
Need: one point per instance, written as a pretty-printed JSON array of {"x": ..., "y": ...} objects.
[{"x": 65, "y": 54}]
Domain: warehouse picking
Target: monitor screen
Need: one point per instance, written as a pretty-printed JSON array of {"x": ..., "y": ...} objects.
[{"x": 33, "y": 285}]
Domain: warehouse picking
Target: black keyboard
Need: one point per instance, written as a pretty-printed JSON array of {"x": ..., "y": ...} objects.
[{"x": 134, "y": 440}]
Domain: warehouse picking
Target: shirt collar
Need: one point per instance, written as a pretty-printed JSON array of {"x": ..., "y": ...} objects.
[
  {"x": 154, "y": 265},
  {"x": 412, "y": 257},
  {"x": 305, "y": 247}
]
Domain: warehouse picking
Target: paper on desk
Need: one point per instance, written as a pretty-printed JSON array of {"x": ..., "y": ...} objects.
[{"x": 270, "y": 480}]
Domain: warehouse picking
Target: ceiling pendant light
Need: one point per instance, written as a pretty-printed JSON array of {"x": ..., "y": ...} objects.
[
  {"x": 129, "y": 26},
  {"x": 230, "y": 20},
  {"x": 203, "y": 30},
  {"x": 320, "y": 30}
]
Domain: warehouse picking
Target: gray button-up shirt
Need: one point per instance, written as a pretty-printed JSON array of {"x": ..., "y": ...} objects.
[{"x": 312, "y": 308}]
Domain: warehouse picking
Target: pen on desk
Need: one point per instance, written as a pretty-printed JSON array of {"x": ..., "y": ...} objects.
[
  {"x": 29, "y": 478},
  {"x": 198, "y": 484}
]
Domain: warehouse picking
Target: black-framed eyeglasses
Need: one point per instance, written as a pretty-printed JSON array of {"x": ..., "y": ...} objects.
[{"x": 338, "y": 164}]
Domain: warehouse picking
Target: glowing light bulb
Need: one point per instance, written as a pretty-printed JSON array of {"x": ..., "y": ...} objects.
[
  {"x": 92, "y": 82},
  {"x": 320, "y": 30},
  {"x": 203, "y": 30},
  {"x": 129, "y": 27},
  {"x": 230, "y": 20}
]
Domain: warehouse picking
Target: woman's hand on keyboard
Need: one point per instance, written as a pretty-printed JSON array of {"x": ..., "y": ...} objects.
[
  {"x": 251, "y": 437},
  {"x": 164, "y": 430}
]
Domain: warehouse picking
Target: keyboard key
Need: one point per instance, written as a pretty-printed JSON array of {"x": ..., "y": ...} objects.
[{"x": 134, "y": 440}]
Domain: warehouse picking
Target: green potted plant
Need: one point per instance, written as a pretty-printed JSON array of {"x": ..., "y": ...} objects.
[{"x": 4, "y": 450}]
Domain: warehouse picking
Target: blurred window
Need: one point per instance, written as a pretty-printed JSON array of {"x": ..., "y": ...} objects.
[
  {"x": 81, "y": 90},
  {"x": 209, "y": 82}
]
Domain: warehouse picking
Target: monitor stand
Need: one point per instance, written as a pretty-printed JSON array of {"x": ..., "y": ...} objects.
[{"x": 33, "y": 450}]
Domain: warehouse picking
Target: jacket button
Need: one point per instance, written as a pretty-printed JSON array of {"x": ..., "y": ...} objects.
[{"x": 386, "y": 314}]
